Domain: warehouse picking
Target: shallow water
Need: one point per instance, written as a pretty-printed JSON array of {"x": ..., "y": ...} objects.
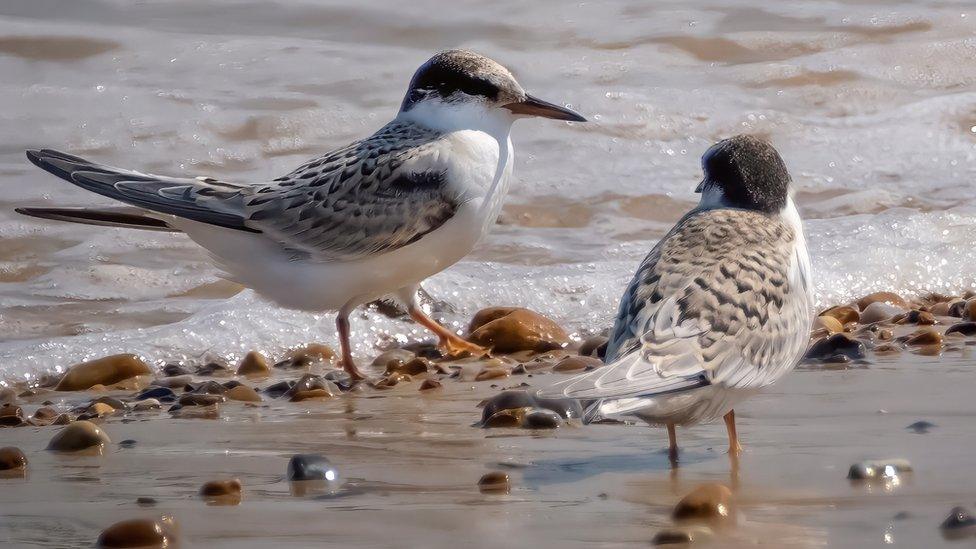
[{"x": 873, "y": 105}]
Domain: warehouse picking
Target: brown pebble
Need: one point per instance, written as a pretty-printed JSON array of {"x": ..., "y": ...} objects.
[
  {"x": 44, "y": 415},
  {"x": 577, "y": 364},
  {"x": 103, "y": 371},
  {"x": 314, "y": 351},
  {"x": 223, "y": 492},
  {"x": 310, "y": 394},
  {"x": 402, "y": 355},
  {"x": 890, "y": 298},
  {"x": 492, "y": 372},
  {"x": 969, "y": 311},
  {"x": 100, "y": 409},
  {"x": 80, "y": 435},
  {"x": 511, "y": 329},
  {"x": 142, "y": 533},
  {"x": 592, "y": 346},
  {"x": 62, "y": 419},
  {"x": 8, "y": 396},
  {"x": 682, "y": 535},
  {"x": 711, "y": 503},
  {"x": 843, "y": 313},
  {"x": 11, "y": 415},
  {"x": 510, "y": 417},
  {"x": 924, "y": 336},
  {"x": 495, "y": 482},
  {"x": 415, "y": 366},
  {"x": 828, "y": 324},
  {"x": 430, "y": 384},
  {"x": 254, "y": 364},
  {"x": 201, "y": 399},
  {"x": 940, "y": 309},
  {"x": 915, "y": 316},
  {"x": 243, "y": 393},
  {"x": 12, "y": 458}
]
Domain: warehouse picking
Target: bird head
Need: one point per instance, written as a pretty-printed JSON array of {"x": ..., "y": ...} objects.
[
  {"x": 744, "y": 172},
  {"x": 458, "y": 87}
]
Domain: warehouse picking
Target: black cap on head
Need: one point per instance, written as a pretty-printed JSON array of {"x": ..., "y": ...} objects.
[
  {"x": 750, "y": 172},
  {"x": 461, "y": 71}
]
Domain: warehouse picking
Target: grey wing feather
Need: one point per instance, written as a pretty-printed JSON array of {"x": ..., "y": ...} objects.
[
  {"x": 373, "y": 196},
  {"x": 721, "y": 299},
  {"x": 204, "y": 200}
]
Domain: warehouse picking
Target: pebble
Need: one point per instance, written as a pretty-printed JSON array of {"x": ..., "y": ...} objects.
[
  {"x": 594, "y": 346},
  {"x": 8, "y": 396},
  {"x": 316, "y": 352},
  {"x": 492, "y": 372},
  {"x": 495, "y": 482},
  {"x": 222, "y": 492},
  {"x": 510, "y": 417},
  {"x": 541, "y": 419},
  {"x": 511, "y": 329},
  {"x": 827, "y": 325},
  {"x": 964, "y": 328},
  {"x": 682, "y": 535},
  {"x": 142, "y": 533},
  {"x": 278, "y": 389},
  {"x": 103, "y": 371},
  {"x": 99, "y": 409},
  {"x": 11, "y": 415},
  {"x": 959, "y": 524},
  {"x": 712, "y": 503},
  {"x": 879, "y": 311},
  {"x": 831, "y": 348},
  {"x": 430, "y": 385},
  {"x": 311, "y": 467},
  {"x": 924, "y": 336},
  {"x": 80, "y": 435},
  {"x": 243, "y": 393},
  {"x": 843, "y": 313},
  {"x": 145, "y": 501},
  {"x": 514, "y": 399},
  {"x": 175, "y": 370},
  {"x": 969, "y": 310},
  {"x": 879, "y": 469},
  {"x": 577, "y": 364},
  {"x": 213, "y": 368},
  {"x": 208, "y": 387},
  {"x": 44, "y": 415},
  {"x": 311, "y": 386},
  {"x": 128, "y": 443},
  {"x": 385, "y": 358},
  {"x": 146, "y": 404},
  {"x": 412, "y": 367},
  {"x": 12, "y": 458},
  {"x": 885, "y": 298},
  {"x": 922, "y": 318},
  {"x": 254, "y": 364},
  {"x": 173, "y": 382},
  {"x": 921, "y": 427},
  {"x": 200, "y": 399}
]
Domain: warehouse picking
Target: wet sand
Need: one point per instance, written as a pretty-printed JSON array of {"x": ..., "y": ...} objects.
[{"x": 409, "y": 463}]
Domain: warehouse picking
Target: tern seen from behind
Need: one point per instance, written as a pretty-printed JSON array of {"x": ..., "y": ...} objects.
[
  {"x": 372, "y": 218},
  {"x": 720, "y": 308}
]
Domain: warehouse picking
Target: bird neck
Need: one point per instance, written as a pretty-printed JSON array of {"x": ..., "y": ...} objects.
[{"x": 449, "y": 117}]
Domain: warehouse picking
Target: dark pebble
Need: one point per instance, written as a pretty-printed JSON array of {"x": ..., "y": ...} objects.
[
  {"x": 311, "y": 467},
  {"x": 964, "y": 328},
  {"x": 506, "y": 400},
  {"x": 146, "y": 501},
  {"x": 278, "y": 389},
  {"x": 541, "y": 419},
  {"x": 595, "y": 346},
  {"x": 213, "y": 368},
  {"x": 830, "y": 348},
  {"x": 209, "y": 388},
  {"x": 128, "y": 443},
  {"x": 173, "y": 370},
  {"x": 11, "y": 458},
  {"x": 162, "y": 394},
  {"x": 921, "y": 427},
  {"x": 959, "y": 524},
  {"x": 198, "y": 399}
]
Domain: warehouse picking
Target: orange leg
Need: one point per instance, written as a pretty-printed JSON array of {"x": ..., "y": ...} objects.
[
  {"x": 449, "y": 341},
  {"x": 734, "y": 448},
  {"x": 672, "y": 443},
  {"x": 342, "y": 326}
]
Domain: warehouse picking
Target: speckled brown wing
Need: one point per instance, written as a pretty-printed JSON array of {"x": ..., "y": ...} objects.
[
  {"x": 373, "y": 196},
  {"x": 723, "y": 298}
]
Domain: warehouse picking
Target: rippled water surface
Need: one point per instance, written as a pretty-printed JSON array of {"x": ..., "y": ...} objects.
[{"x": 872, "y": 104}]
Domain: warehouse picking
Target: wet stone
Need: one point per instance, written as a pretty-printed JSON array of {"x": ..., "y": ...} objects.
[
  {"x": 11, "y": 415},
  {"x": 577, "y": 364},
  {"x": 511, "y": 329},
  {"x": 492, "y": 372},
  {"x": 959, "y": 524},
  {"x": 879, "y": 469},
  {"x": 128, "y": 443},
  {"x": 879, "y": 312},
  {"x": 412, "y": 367},
  {"x": 243, "y": 393},
  {"x": 957, "y": 308},
  {"x": 340, "y": 378},
  {"x": 594, "y": 346},
  {"x": 385, "y": 358},
  {"x": 8, "y": 396},
  {"x": 514, "y": 399},
  {"x": 311, "y": 467},
  {"x": 710, "y": 503},
  {"x": 44, "y": 415},
  {"x": 922, "y": 318},
  {"x": 843, "y": 313},
  {"x": 888, "y": 298},
  {"x": 208, "y": 388},
  {"x": 921, "y": 427},
  {"x": 278, "y": 389},
  {"x": 173, "y": 382},
  {"x": 173, "y": 370},
  {"x": 924, "y": 336},
  {"x": 510, "y": 417},
  {"x": 311, "y": 386},
  {"x": 832, "y": 348},
  {"x": 222, "y": 492},
  {"x": 103, "y": 371},
  {"x": 430, "y": 385},
  {"x": 969, "y": 310},
  {"x": 316, "y": 352},
  {"x": 964, "y": 328},
  {"x": 200, "y": 399},
  {"x": 541, "y": 419},
  {"x": 145, "y": 501},
  {"x": 254, "y": 364},
  {"x": 213, "y": 368},
  {"x": 146, "y": 404},
  {"x": 827, "y": 325},
  {"x": 141, "y": 533},
  {"x": 682, "y": 535},
  {"x": 99, "y": 409},
  {"x": 12, "y": 458},
  {"x": 495, "y": 482},
  {"x": 80, "y": 435}
]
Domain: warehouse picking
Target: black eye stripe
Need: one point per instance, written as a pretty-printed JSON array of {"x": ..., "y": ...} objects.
[{"x": 445, "y": 79}]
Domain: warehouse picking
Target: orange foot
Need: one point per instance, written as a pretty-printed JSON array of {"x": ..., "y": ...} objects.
[{"x": 454, "y": 346}]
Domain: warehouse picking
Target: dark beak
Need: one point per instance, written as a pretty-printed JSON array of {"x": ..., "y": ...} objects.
[{"x": 533, "y": 106}]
